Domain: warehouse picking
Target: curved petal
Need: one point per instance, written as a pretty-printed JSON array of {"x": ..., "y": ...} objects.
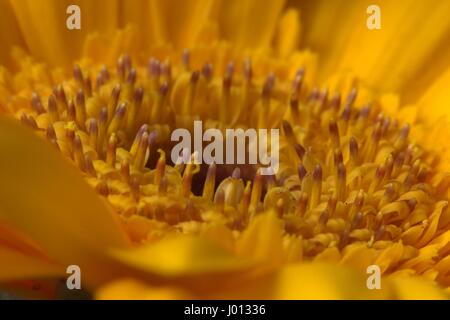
[
  {"x": 182, "y": 256},
  {"x": 45, "y": 197},
  {"x": 19, "y": 266}
]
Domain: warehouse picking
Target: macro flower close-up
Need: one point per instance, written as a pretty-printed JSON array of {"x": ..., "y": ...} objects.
[{"x": 225, "y": 149}]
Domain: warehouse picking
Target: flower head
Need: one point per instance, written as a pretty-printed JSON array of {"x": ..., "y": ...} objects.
[{"x": 358, "y": 184}]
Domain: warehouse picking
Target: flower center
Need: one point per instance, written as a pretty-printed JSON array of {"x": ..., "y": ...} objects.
[{"x": 348, "y": 173}]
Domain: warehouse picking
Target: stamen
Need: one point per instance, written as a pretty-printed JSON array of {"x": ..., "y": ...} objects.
[
  {"x": 247, "y": 70},
  {"x": 398, "y": 164},
  {"x": 334, "y": 134},
  {"x": 379, "y": 175},
  {"x": 301, "y": 170},
  {"x": 266, "y": 95},
  {"x": 71, "y": 112},
  {"x": 102, "y": 188},
  {"x": 132, "y": 76},
  {"x": 190, "y": 96},
  {"x": 137, "y": 139},
  {"x": 301, "y": 204},
  {"x": 80, "y": 108},
  {"x": 256, "y": 192},
  {"x": 134, "y": 109},
  {"x": 354, "y": 153},
  {"x": 52, "y": 109},
  {"x": 163, "y": 185},
  {"x": 185, "y": 59},
  {"x": 78, "y": 153},
  {"x": 166, "y": 72},
  {"x": 160, "y": 102},
  {"x": 335, "y": 102},
  {"x": 139, "y": 160},
  {"x": 28, "y": 121},
  {"x": 113, "y": 101},
  {"x": 226, "y": 89},
  {"x": 207, "y": 71},
  {"x": 93, "y": 133},
  {"x": 51, "y": 134},
  {"x": 401, "y": 141},
  {"x": 111, "y": 150},
  {"x": 160, "y": 168},
  {"x": 125, "y": 171},
  {"x": 78, "y": 75},
  {"x": 135, "y": 188},
  {"x": 209, "y": 185},
  {"x": 102, "y": 127},
  {"x": 36, "y": 103},
  {"x": 300, "y": 150},
  {"x": 341, "y": 182},
  {"x": 297, "y": 82},
  {"x": 316, "y": 189},
  {"x": 116, "y": 122},
  {"x": 89, "y": 166}
]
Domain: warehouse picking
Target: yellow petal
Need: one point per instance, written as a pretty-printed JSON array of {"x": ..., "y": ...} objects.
[
  {"x": 19, "y": 266},
  {"x": 10, "y": 34},
  {"x": 181, "y": 256},
  {"x": 381, "y": 57},
  {"x": 288, "y": 33},
  {"x": 297, "y": 281},
  {"x": 132, "y": 289},
  {"x": 45, "y": 197},
  {"x": 43, "y": 24},
  {"x": 415, "y": 288},
  {"x": 262, "y": 241},
  {"x": 145, "y": 15},
  {"x": 251, "y": 23},
  {"x": 186, "y": 20},
  {"x": 434, "y": 102}
]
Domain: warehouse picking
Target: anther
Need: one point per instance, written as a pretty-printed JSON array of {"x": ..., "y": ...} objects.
[
  {"x": 135, "y": 188},
  {"x": 160, "y": 171},
  {"x": 111, "y": 150},
  {"x": 341, "y": 182},
  {"x": 208, "y": 187},
  {"x": 113, "y": 100},
  {"x": 207, "y": 71},
  {"x": 93, "y": 133},
  {"x": 116, "y": 122},
  {"x": 185, "y": 59},
  {"x": 125, "y": 171},
  {"x": 316, "y": 188},
  {"x": 334, "y": 134},
  {"x": 139, "y": 160},
  {"x": 36, "y": 103},
  {"x": 354, "y": 152},
  {"x": 132, "y": 76},
  {"x": 78, "y": 75},
  {"x": 300, "y": 150},
  {"x": 102, "y": 188},
  {"x": 80, "y": 107},
  {"x": 89, "y": 166},
  {"x": 52, "y": 108},
  {"x": 247, "y": 70},
  {"x": 78, "y": 153}
]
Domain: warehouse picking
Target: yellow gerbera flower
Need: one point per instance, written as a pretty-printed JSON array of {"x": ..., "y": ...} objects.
[{"x": 363, "y": 181}]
